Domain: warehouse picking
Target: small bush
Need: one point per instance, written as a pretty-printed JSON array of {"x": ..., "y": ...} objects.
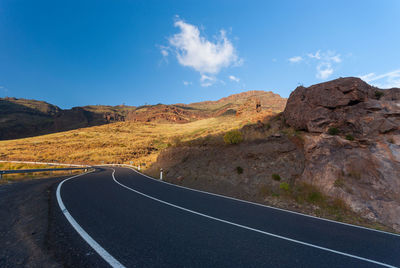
[
  {"x": 379, "y": 94},
  {"x": 339, "y": 183},
  {"x": 315, "y": 197},
  {"x": 284, "y": 186},
  {"x": 239, "y": 170},
  {"x": 233, "y": 137},
  {"x": 339, "y": 204},
  {"x": 276, "y": 177},
  {"x": 333, "y": 131},
  {"x": 349, "y": 137}
]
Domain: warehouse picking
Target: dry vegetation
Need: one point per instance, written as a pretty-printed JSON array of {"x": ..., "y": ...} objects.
[
  {"x": 120, "y": 142},
  {"x": 141, "y": 143},
  {"x": 7, "y": 178}
]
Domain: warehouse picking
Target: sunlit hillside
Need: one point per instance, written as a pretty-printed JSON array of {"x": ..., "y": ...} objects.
[{"x": 120, "y": 142}]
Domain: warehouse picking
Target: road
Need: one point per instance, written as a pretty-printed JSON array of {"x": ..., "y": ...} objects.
[{"x": 134, "y": 221}]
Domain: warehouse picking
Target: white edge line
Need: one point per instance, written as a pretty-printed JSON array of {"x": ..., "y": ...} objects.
[
  {"x": 101, "y": 251},
  {"x": 253, "y": 229},
  {"x": 258, "y": 204}
]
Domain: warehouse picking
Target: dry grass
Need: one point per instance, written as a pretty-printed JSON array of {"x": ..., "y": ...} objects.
[
  {"x": 7, "y": 178},
  {"x": 120, "y": 142}
]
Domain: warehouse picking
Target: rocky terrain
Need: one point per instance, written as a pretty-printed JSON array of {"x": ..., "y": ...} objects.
[
  {"x": 361, "y": 163},
  {"x": 339, "y": 141},
  {"x": 25, "y": 118},
  {"x": 165, "y": 113}
]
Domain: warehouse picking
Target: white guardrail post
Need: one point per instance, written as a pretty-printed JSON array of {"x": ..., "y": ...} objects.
[{"x": 161, "y": 173}]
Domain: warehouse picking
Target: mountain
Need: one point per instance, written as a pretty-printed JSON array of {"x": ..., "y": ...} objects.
[
  {"x": 25, "y": 118},
  {"x": 246, "y": 103},
  {"x": 267, "y": 99}
]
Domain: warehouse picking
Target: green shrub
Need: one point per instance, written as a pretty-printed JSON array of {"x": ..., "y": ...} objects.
[
  {"x": 284, "y": 186},
  {"x": 239, "y": 170},
  {"x": 349, "y": 137},
  {"x": 333, "y": 131},
  {"x": 379, "y": 94},
  {"x": 315, "y": 197},
  {"x": 276, "y": 177},
  {"x": 233, "y": 137}
]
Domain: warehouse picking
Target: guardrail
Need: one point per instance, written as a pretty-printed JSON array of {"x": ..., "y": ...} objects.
[
  {"x": 15, "y": 171},
  {"x": 42, "y": 163}
]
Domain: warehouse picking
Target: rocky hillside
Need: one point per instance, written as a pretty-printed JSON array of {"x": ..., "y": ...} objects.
[
  {"x": 236, "y": 102},
  {"x": 165, "y": 113},
  {"x": 334, "y": 152},
  {"x": 24, "y": 118}
]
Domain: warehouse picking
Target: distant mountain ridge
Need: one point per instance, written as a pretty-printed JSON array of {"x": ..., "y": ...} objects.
[{"x": 21, "y": 118}]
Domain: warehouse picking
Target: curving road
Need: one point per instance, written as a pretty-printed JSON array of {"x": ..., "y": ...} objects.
[{"x": 131, "y": 220}]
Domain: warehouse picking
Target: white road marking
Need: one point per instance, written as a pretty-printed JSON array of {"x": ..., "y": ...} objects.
[
  {"x": 260, "y": 205},
  {"x": 101, "y": 251},
  {"x": 251, "y": 229}
]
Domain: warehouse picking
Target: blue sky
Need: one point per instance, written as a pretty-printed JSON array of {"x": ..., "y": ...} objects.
[{"x": 74, "y": 53}]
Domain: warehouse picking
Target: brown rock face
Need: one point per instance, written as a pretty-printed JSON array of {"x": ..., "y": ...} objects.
[
  {"x": 349, "y": 104},
  {"x": 364, "y": 172}
]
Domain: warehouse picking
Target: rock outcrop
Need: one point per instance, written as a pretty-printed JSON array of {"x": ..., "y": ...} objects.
[{"x": 351, "y": 144}]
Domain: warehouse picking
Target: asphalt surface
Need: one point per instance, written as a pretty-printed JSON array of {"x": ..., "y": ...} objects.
[{"x": 162, "y": 225}]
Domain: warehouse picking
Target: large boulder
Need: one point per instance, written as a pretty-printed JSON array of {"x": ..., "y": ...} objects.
[
  {"x": 349, "y": 104},
  {"x": 364, "y": 172}
]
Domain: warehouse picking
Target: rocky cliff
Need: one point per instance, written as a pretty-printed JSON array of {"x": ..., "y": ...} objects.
[{"x": 351, "y": 144}]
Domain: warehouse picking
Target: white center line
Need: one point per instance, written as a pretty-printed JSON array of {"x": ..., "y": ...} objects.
[{"x": 252, "y": 229}]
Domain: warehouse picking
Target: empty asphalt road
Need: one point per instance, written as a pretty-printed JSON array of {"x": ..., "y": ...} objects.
[{"x": 134, "y": 221}]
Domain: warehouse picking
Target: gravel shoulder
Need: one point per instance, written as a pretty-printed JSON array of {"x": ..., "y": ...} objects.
[
  {"x": 24, "y": 210},
  {"x": 34, "y": 232}
]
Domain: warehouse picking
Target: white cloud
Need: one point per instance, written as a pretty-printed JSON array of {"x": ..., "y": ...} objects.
[
  {"x": 187, "y": 83},
  {"x": 195, "y": 51},
  {"x": 335, "y": 58},
  {"x": 206, "y": 81},
  {"x": 328, "y": 56},
  {"x": 325, "y": 62},
  {"x": 234, "y": 78},
  {"x": 386, "y": 80},
  {"x": 295, "y": 59},
  {"x": 315, "y": 56},
  {"x": 368, "y": 77},
  {"x": 164, "y": 52},
  {"x": 324, "y": 70}
]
